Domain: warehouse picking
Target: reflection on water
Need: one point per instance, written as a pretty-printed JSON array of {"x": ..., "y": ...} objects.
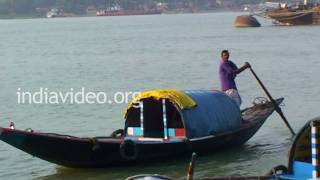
[
  {"x": 217, "y": 164},
  {"x": 175, "y": 168}
]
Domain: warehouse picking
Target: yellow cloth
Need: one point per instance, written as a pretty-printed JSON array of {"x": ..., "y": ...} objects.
[{"x": 181, "y": 99}]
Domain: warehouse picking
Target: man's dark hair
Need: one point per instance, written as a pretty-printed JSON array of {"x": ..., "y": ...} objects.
[{"x": 224, "y": 51}]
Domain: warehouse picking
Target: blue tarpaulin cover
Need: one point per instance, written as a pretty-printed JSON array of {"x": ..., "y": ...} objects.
[{"x": 215, "y": 113}]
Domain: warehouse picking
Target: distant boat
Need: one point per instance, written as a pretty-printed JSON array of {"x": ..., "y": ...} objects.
[
  {"x": 55, "y": 12},
  {"x": 302, "y": 14},
  {"x": 246, "y": 21},
  {"x": 116, "y": 10},
  {"x": 121, "y": 12}
]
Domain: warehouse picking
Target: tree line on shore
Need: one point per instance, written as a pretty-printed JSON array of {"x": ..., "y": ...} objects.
[{"x": 81, "y": 6}]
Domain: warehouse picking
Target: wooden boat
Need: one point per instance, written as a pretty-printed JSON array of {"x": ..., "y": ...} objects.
[
  {"x": 306, "y": 14},
  {"x": 165, "y": 123},
  {"x": 286, "y": 17}
]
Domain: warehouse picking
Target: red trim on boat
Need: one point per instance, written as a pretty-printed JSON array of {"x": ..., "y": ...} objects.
[{"x": 180, "y": 132}]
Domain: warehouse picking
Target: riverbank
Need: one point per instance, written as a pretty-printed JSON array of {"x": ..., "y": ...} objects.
[
  {"x": 93, "y": 13},
  {"x": 18, "y": 16}
]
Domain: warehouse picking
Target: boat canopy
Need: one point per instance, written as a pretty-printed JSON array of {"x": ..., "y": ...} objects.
[{"x": 171, "y": 113}]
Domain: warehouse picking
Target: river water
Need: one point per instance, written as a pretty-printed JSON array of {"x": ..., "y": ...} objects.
[{"x": 134, "y": 53}]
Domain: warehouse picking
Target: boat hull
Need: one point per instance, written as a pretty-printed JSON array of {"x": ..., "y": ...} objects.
[
  {"x": 296, "y": 18},
  {"x": 246, "y": 21}
]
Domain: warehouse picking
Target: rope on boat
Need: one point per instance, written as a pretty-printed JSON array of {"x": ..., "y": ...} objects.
[
  {"x": 29, "y": 130},
  {"x": 95, "y": 144},
  {"x": 260, "y": 101},
  {"x": 117, "y": 133},
  {"x": 62, "y": 135},
  {"x": 11, "y": 125},
  {"x": 277, "y": 170},
  {"x": 263, "y": 101}
]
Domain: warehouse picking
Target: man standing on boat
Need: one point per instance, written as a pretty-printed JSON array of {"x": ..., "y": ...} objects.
[{"x": 227, "y": 73}]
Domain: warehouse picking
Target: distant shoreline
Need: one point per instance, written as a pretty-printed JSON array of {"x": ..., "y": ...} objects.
[
  {"x": 18, "y": 16},
  {"x": 32, "y": 16}
]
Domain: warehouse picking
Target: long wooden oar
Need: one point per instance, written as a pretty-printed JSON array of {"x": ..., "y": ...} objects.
[{"x": 276, "y": 106}]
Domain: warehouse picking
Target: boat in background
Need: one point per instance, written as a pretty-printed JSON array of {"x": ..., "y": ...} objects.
[
  {"x": 116, "y": 10},
  {"x": 159, "y": 124},
  {"x": 301, "y": 14},
  {"x": 305, "y": 13},
  {"x": 127, "y": 12},
  {"x": 55, "y": 12},
  {"x": 246, "y": 21}
]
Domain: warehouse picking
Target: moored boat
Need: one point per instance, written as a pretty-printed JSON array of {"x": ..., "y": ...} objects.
[
  {"x": 246, "y": 21},
  {"x": 55, "y": 12},
  {"x": 302, "y": 14},
  {"x": 287, "y": 17},
  {"x": 158, "y": 124},
  {"x": 121, "y": 12},
  {"x": 112, "y": 9}
]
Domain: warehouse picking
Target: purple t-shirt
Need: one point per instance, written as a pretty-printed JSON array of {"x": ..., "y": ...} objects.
[{"x": 227, "y": 74}]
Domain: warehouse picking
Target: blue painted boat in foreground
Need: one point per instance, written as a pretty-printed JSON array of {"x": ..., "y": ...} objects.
[{"x": 304, "y": 157}]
